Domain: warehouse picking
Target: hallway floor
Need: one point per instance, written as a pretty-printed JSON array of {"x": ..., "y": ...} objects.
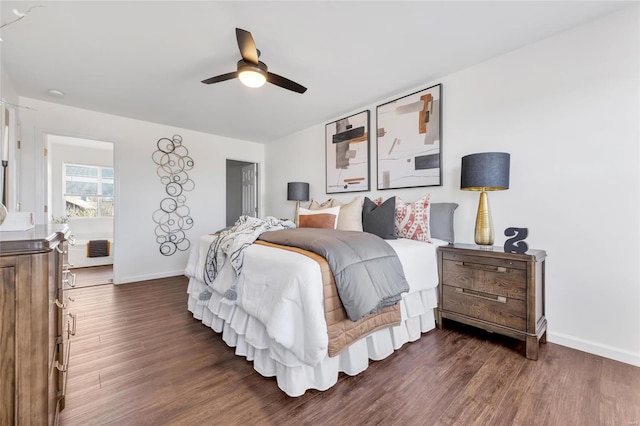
[{"x": 93, "y": 275}]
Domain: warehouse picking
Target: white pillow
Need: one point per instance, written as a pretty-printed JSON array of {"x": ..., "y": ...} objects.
[
  {"x": 350, "y": 218},
  {"x": 324, "y": 218}
]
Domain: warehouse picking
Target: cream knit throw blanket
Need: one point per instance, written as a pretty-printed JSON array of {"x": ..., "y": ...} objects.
[{"x": 230, "y": 245}]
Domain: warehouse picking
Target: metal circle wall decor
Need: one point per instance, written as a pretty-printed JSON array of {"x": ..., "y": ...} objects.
[{"x": 173, "y": 217}]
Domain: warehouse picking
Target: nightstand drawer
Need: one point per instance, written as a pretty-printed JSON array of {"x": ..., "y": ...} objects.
[
  {"x": 492, "y": 308},
  {"x": 494, "y": 276}
]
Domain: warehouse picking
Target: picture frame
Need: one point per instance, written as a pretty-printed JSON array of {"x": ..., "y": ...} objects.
[
  {"x": 409, "y": 140},
  {"x": 347, "y": 154}
]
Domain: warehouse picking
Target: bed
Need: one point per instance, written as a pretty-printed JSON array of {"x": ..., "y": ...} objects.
[{"x": 278, "y": 320}]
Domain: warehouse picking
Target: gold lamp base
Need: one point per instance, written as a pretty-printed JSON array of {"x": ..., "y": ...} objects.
[
  {"x": 296, "y": 214},
  {"x": 484, "y": 225}
]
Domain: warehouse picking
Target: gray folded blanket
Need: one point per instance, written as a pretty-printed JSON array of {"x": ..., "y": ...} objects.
[{"x": 367, "y": 271}]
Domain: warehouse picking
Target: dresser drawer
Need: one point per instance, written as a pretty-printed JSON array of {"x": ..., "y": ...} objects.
[
  {"x": 495, "y": 309},
  {"x": 494, "y": 276}
]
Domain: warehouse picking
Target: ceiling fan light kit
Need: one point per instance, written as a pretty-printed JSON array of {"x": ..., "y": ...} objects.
[
  {"x": 251, "y": 75},
  {"x": 251, "y": 71}
]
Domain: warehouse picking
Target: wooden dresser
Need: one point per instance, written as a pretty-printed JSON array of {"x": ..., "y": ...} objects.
[
  {"x": 33, "y": 337},
  {"x": 493, "y": 290}
]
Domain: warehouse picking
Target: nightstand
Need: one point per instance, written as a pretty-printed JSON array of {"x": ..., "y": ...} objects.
[{"x": 499, "y": 292}]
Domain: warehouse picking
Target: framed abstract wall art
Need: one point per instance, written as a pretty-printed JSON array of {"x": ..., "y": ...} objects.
[
  {"x": 347, "y": 154},
  {"x": 409, "y": 142}
]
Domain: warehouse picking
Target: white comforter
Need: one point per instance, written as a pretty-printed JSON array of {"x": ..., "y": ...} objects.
[{"x": 283, "y": 290}]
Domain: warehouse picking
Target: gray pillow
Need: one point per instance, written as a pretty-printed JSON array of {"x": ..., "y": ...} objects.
[
  {"x": 379, "y": 219},
  {"x": 441, "y": 221}
]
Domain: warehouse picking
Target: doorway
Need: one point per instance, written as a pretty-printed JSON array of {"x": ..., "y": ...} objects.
[
  {"x": 241, "y": 190},
  {"x": 80, "y": 191}
]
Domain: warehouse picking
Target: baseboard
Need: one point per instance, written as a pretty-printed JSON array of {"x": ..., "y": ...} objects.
[
  {"x": 595, "y": 348},
  {"x": 126, "y": 280}
]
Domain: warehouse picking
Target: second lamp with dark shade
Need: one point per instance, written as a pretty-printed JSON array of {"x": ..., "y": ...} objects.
[
  {"x": 297, "y": 191},
  {"x": 486, "y": 171}
]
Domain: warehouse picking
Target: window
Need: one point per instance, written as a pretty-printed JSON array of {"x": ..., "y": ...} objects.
[{"x": 88, "y": 190}]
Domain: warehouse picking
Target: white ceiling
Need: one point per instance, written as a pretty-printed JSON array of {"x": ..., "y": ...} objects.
[{"x": 145, "y": 59}]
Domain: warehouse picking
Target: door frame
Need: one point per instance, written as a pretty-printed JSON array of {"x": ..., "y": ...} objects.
[
  {"x": 258, "y": 183},
  {"x": 41, "y": 142}
]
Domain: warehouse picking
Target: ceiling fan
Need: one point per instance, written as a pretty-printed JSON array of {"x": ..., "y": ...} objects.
[{"x": 251, "y": 71}]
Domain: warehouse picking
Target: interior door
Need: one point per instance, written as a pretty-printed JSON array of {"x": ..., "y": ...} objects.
[{"x": 250, "y": 190}]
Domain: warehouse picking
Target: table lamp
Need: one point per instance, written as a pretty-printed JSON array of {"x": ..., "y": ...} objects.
[
  {"x": 486, "y": 171},
  {"x": 297, "y": 191}
]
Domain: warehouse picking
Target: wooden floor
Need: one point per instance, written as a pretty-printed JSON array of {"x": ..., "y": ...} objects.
[
  {"x": 93, "y": 275},
  {"x": 139, "y": 358}
]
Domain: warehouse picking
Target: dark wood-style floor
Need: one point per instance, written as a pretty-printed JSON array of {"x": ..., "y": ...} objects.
[
  {"x": 93, "y": 275},
  {"x": 139, "y": 358}
]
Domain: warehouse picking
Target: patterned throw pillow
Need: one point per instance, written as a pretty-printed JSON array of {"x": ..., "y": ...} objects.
[
  {"x": 324, "y": 218},
  {"x": 412, "y": 220}
]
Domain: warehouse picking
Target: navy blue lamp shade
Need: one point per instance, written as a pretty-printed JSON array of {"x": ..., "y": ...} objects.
[{"x": 486, "y": 171}]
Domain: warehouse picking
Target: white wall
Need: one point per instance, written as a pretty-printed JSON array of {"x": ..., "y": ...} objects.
[
  {"x": 138, "y": 187},
  {"x": 8, "y": 92},
  {"x": 567, "y": 109}
]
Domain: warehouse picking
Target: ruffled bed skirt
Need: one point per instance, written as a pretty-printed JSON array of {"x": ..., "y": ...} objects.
[{"x": 249, "y": 338}]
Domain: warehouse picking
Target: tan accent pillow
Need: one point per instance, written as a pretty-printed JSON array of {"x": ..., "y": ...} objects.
[
  {"x": 350, "y": 215},
  {"x": 314, "y": 205},
  {"x": 324, "y": 218},
  {"x": 350, "y": 218}
]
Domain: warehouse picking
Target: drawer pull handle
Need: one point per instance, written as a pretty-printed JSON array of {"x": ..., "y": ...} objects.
[
  {"x": 500, "y": 269},
  {"x": 500, "y": 299},
  {"x": 60, "y": 305},
  {"x": 72, "y": 282},
  {"x": 72, "y": 331},
  {"x": 54, "y": 353},
  {"x": 61, "y": 251},
  {"x": 61, "y": 368}
]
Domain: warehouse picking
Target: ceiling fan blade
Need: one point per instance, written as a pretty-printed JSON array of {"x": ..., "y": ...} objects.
[
  {"x": 285, "y": 83},
  {"x": 219, "y": 78},
  {"x": 247, "y": 46}
]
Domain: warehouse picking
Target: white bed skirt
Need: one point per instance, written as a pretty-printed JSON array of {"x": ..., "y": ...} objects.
[{"x": 249, "y": 337}]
